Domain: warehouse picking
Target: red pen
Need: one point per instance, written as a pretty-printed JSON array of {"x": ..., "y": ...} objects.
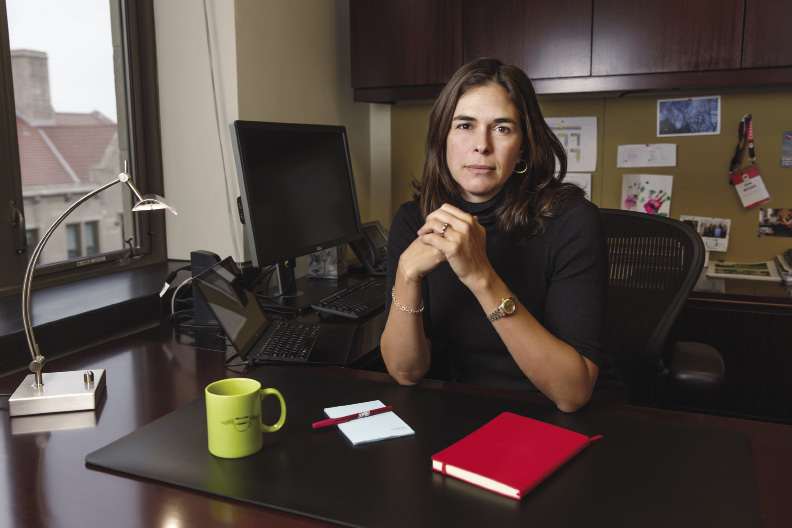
[{"x": 343, "y": 419}]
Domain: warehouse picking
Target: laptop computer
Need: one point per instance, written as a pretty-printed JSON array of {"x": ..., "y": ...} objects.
[{"x": 258, "y": 340}]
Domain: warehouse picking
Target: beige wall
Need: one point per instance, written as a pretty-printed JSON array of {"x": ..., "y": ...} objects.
[
  {"x": 293, "y": 66},
  {"x": 198, "y": 173},
  {"x": 409, "y": 124},
  {"x": 274, "y": 60},
  {"x": 700, "y": 178}
]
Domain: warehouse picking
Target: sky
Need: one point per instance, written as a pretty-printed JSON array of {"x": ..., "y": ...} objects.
[{"x": 76, "y": 36}]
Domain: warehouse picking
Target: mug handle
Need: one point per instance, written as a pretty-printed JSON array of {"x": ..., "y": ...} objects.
[{"x": 277, "y": 425}]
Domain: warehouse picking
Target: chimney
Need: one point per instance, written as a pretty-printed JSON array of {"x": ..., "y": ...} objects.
[{"x": 31, "y": 87}]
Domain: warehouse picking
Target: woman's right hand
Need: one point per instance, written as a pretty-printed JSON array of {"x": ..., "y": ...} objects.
[{"x": 418, "y": 260}]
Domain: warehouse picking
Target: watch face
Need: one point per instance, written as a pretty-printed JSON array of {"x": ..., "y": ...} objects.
[{"x": 509, "y": 306}]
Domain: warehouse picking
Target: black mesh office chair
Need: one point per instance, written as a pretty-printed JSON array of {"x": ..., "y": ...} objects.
[{"x": 654, "y": 263}]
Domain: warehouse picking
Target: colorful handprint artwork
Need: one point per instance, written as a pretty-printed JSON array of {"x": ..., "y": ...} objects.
[{"x": 648, "y": 193}]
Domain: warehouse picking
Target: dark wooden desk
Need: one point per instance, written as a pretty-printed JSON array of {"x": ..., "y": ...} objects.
[{"x": 45, "y": 481}]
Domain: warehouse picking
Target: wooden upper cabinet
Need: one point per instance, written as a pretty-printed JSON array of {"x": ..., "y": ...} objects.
[
  {"x": 404, "y": 42},
  {"x": 408, "y": 49},
  {"x": 546, "y": 39},
  {"x": 652, "y": 36},
  {"x": 767, "y": 40}
]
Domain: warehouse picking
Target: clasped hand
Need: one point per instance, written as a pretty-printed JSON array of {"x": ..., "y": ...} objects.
[{"x": 462, "y": 245}]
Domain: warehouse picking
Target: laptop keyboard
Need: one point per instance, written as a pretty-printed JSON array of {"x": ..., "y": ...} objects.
[{"x": 288, "y": 341}]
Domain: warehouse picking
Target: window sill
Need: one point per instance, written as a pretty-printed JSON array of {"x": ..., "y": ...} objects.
[{"x": 71, "y": 316}]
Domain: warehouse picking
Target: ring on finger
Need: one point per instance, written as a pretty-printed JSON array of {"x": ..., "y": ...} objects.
[{"x": 442, "y": 231}]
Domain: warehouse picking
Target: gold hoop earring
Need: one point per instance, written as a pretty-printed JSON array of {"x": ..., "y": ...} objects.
[{"x": 524, "y": 169}]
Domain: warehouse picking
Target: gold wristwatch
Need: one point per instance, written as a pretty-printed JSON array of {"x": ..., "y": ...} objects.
[{"x": 507, "y": 307}]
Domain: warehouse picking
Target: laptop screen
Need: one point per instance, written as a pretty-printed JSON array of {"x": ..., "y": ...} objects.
[{"x": 235, "y": 308}]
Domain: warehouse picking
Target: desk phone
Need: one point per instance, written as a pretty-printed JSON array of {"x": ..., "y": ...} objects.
[{"x": 372, "y": 248}]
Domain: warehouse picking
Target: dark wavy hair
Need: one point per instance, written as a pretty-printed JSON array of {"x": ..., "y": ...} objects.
[{"x": 530, "y": 198}]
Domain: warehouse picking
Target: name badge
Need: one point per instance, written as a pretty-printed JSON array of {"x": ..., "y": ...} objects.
[{"x": 750, "y": 187}]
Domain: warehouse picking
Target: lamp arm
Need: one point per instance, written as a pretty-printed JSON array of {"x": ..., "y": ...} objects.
[
  {"x": 38, "y": 360},
  {"x": 126, "y": 179}
]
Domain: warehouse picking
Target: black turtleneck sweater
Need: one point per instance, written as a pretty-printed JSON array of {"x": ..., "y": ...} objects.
[{"x": 560, "y": 276}]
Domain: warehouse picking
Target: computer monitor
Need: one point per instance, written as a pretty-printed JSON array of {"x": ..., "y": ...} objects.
[{"x": 298, "y": 196}]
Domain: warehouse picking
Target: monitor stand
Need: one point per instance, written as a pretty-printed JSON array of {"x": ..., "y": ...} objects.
[{"x": 297, "y": 295}]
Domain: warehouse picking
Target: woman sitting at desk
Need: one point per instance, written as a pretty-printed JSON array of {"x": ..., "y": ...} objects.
[{"x": 496, "y": 263}]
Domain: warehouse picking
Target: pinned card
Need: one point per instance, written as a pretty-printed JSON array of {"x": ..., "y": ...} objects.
[{"x": 750, "y": 187}]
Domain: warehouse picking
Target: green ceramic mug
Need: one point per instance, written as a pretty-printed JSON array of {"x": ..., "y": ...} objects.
[{"x": 233, "y": 417}]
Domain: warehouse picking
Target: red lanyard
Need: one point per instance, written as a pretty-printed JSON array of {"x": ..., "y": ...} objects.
[
  {"x": 749, "y": 135},
  {"x": 744, "y": 132}
]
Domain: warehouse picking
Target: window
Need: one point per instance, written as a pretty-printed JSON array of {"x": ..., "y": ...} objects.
[
  {"x": 68, "y": 128},
  {"x": 91, "y": 238},
  {"x": 32, "y": 238},
  {"x": 73, "y": 241},
  {"x": 120, "y": 223}
]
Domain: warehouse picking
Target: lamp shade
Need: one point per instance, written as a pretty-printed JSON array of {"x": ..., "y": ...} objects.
[{"x": 152, "y": 202}]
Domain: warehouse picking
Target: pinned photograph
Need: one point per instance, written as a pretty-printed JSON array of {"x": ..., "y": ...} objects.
[
  {"x": 775, "y": 222},
  {"x": 714, "y": 231},
  {"x": 328, "y": 263},
  {"x": 647, "y": 193},
  {"x": 692, "y": 116},
  {"x": 786, "y": 150}
]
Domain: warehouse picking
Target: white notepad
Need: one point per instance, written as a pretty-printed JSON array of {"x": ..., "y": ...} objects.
[{"x": 372, "y": 428}]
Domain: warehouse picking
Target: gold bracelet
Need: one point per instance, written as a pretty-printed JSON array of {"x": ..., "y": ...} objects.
[{"x": 403, "y": 309}]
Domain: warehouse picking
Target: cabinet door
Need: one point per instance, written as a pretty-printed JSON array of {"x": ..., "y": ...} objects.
[
  {"x": 546, "y": 39},
  {"x": 767, "y": 40},
  {"x": 654, "y": 36},
  {"x": 404, "y": 42},
  {"x": 754, "y": 342}
]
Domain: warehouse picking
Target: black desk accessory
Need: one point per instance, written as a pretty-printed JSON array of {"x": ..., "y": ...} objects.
[
  {"x": 372, "y": 248},
  {"x": 200, "y": 261},
  {"x": 641, "y": 473}
]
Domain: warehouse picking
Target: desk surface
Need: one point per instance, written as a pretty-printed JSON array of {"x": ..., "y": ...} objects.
[
  {"x": 46, "y": 481},
  {"x": 742, "y": 291}
]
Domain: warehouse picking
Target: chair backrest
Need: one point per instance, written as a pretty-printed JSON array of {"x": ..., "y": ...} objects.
[{"x": 654, "y": 263}]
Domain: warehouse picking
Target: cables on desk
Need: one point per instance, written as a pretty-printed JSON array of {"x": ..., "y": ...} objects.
[
  {"x": 267, "y": 273},
  {"x": 174, "y": 317},
  {"x": 229, "y": 365},
  {"x": 188, "y": 280},
  {"x": 169, "y": 279}
]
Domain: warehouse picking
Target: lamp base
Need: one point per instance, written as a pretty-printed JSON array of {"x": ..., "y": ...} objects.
[{"x": 60, "y": 392}]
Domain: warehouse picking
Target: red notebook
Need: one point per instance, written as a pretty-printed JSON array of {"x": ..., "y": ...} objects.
[{"x": 510, "y": 455}]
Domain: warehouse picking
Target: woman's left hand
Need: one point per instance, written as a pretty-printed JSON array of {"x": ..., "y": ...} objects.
[{"x": 462, "y": 240}]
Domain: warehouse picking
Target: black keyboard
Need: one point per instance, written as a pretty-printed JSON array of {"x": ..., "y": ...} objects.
[
  {"x": 356, "y": 301},
  {"x": 287, "y": 341}
]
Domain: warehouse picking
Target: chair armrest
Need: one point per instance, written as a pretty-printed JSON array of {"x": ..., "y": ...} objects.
[{"x": 696, "y": 367}]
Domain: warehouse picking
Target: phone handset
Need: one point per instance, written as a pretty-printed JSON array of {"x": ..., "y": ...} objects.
[{"x": 371, "y": 249}]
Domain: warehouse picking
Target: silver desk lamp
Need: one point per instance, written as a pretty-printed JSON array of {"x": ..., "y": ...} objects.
[{"x": 42, "y": 393}]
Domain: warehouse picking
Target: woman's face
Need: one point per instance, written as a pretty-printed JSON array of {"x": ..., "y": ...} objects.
[{"x": 484, "y": 143}]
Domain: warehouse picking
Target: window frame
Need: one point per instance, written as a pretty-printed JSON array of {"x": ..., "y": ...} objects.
[{"x": 137, "y": 19}]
